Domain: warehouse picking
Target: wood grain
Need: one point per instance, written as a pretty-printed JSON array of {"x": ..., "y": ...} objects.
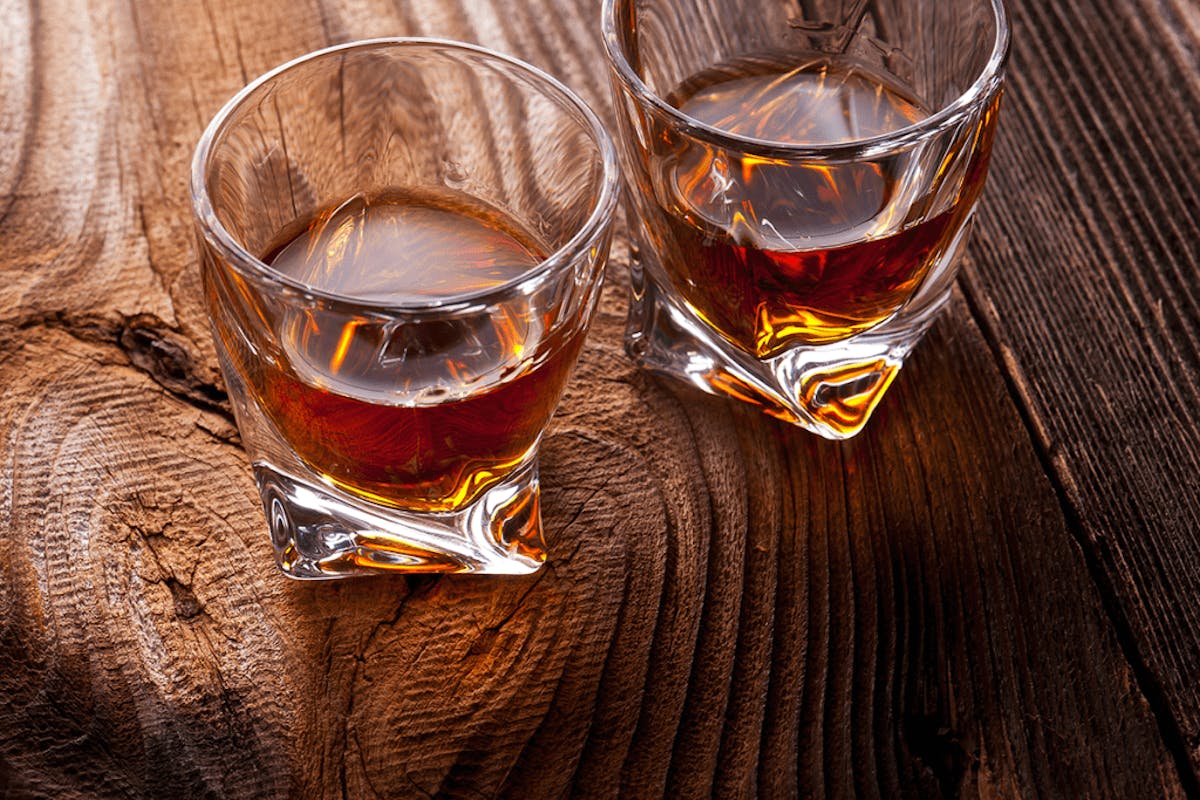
[
  {"x": 1088, "y": 289},
  {"x": 944, "y": 607}
]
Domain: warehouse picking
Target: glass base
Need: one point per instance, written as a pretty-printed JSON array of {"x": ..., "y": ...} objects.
[
  {"x": 830, "y": 390},
  {"x": 320, "y": 532}
]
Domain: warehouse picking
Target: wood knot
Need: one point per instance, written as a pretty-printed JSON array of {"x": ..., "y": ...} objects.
[
  {"x": 939, "y": 750},
  {"x": 187, "y": 606},
  {"x": 166, "y": 358}
]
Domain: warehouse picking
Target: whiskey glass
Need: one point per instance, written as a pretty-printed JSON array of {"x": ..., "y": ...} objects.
[
  {"x": 390, "y": 383},
  {"x": 800, "y": 179}
]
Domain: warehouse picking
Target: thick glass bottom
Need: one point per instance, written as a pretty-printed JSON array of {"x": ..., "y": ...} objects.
[
  {"x": 830, "y": 390},
  {"x": 320, "y": 532}
]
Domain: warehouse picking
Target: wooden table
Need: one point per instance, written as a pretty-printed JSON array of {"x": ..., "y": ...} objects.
[{"x": 994, "y": 592}]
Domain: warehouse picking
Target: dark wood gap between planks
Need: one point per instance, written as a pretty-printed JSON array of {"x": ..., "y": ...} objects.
[{"x": 1148, "y": 683}]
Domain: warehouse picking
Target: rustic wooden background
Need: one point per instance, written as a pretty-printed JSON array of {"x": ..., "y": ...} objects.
[{"x": 994, "y": 592}]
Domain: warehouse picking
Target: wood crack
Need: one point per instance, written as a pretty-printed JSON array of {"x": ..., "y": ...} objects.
[
  {"x": 150, "y": 346},
  {"x": 1148, "y": 683}
]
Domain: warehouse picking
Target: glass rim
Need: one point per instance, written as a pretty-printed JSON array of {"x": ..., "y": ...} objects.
[
  {"x": 983, "y": 87},
  {"x": 603, "y": 205}
]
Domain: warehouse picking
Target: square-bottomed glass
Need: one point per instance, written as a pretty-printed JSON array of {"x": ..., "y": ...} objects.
[
  {"x": 402, "y": 246},
  {"x": 801, "y": 177}
]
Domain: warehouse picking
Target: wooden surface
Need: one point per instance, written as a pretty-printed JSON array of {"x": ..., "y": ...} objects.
[{"x": 994, "y": 592}]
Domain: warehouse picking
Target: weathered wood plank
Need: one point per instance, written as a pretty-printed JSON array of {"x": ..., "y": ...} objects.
[
  {"x": 1088, "y": 288},
  {"x": 732, "y": 607}
]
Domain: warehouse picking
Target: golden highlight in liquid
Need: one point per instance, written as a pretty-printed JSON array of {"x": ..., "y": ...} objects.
[
  {"x": 772, "y": 253},
  {"x": 333, "y": 396}
]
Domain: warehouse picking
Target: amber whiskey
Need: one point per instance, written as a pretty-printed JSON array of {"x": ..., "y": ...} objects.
[
  {"x": 775, "y": 252},
  {"x": 418, "y": 414}
]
